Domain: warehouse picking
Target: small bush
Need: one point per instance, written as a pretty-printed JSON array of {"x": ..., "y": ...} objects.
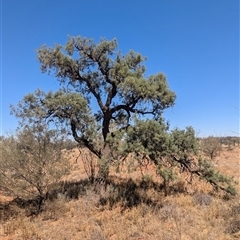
[
  {"x": 168, "y": 211},
  {"x": 31, "y": 162},
  {"x": 233, "y": 226},
  {"x": 211, "y": 146},
  {"x": 202, "y": 199}
]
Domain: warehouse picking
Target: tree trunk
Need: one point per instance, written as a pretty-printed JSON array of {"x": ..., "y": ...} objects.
[{"x": 104, "y": 161}]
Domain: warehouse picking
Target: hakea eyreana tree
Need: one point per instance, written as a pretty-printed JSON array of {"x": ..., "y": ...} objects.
[
  {"x": 109, "y": 105},
  {"x": 99, "y": 75}
]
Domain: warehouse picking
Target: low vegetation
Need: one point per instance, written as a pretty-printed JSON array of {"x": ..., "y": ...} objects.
[
  {"x": 211, "y": 147},
  {"x": 132, "y": 205}
]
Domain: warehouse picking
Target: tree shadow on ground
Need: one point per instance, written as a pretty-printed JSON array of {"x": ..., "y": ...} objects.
[
  {"x": 7, "y": 212},
  {"x": 112, "y": 192},
  {"x": 31, "y": 207},
  {"x": 128, "y": 193}
]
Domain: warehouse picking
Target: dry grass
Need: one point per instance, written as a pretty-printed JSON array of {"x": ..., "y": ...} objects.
[{"x": 126, "y": 211}]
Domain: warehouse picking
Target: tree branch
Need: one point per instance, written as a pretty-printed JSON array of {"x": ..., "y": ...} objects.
[
  {"x": 198, "y": 173},
  {"x": 83, "y": 140}
]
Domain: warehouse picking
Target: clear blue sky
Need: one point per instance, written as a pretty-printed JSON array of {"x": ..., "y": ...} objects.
[{"x": 195, "y": 43}]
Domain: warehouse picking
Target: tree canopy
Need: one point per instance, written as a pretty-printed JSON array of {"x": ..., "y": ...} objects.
[{"x": 99, "y": 72}]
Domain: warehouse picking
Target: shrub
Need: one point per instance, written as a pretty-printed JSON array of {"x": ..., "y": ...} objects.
[
  {"x": 211, "y": 146},
  {"x": 31, "y": 162},
  {"x": 202, "y": 199}
]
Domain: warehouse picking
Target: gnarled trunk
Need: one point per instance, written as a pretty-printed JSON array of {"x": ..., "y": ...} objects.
[{"x": 104, "y": 160}]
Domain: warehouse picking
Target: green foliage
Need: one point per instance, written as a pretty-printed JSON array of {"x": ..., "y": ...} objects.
[
  {"x": 207, "y": 172},
  {"x": 168, "y": 175},
  {"x": 116, "y": 81},
  {"x": 169, "y": 151},
  {"x": 151, "y": 139},
  {"x": 184, "y": 142},
  {"x": 69, "y": 112}
]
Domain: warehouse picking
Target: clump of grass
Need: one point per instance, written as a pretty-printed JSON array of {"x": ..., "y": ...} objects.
[
  {"x": 202, "y": 199},
  {"x": 23, "y": 228},
  {"x": 233, "y": 225}
]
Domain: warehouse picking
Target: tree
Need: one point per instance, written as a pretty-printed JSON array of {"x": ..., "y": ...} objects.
[
  {"x": 96, "y": 73},
  {"x": 211, "y": 146},
  {"x": 109, "y": 105},
  {"x": 32, "y": 162}
]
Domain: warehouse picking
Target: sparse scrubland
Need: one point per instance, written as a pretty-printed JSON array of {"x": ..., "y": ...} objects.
[
  {"x": 133, "y": 206},
  {"x": 126, "y": 175}
]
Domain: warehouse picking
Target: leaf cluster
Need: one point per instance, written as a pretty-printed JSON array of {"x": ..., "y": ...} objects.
[
  {"x": 101, "y": 73},
  {"x": 172, "y": 152},
  {"x": 68, "y": 112},
  {"x": 207, "y": 172}
]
